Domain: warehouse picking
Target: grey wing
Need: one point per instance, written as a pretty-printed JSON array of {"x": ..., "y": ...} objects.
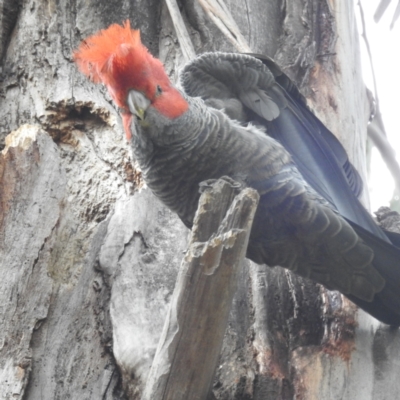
[
  {"x": 269, "y": 98},
  {"x": 227, "y": 76},
  {"x": 272, "y": 99}
]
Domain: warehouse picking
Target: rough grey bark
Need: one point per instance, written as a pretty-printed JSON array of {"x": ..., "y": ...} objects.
[{"x": 89, "y": 258}]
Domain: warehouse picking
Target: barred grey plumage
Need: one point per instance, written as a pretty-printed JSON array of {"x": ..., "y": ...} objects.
[
  {"x": 205, "y": 144},
  {"x": 298, "y": 224}
]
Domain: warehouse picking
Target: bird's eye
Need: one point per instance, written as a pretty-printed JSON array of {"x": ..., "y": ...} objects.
[{"x": 158, "y": 90}]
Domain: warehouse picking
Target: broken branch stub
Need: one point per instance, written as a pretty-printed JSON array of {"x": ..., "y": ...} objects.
[
  {"x": 189, "y": 348},
  {"x": 182, "y": 33},
  {"x": 218, "y": 12}
]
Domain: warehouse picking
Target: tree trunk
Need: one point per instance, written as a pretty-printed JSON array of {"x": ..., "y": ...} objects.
[{"x": 89, "y": 258}]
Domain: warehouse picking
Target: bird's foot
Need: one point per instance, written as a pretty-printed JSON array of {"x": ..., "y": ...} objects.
[{"x": 237, "y": 185}]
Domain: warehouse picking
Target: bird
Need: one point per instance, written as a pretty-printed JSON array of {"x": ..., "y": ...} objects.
[{"x": 239, "y": 116}]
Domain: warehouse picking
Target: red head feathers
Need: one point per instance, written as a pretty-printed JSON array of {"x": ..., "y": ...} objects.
[{"x": 116, "y": 57}]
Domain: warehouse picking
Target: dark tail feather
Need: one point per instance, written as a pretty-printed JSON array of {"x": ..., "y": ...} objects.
[
  {"x": 379, "y": 308},
  {"x": 386, "y": 304},
  {"x": 394, "y": 237}
]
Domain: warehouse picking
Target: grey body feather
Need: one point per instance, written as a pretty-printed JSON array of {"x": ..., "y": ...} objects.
[{"x": 296, "y": 225}]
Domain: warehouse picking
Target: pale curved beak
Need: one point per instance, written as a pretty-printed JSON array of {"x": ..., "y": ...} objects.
[{"x": 138, "y": 104}]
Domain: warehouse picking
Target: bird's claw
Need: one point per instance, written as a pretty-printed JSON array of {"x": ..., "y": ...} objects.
[{"x": 237, "y": 185}]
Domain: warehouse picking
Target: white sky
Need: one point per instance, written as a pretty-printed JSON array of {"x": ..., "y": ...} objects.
[{"x": 385, "y": 48}]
